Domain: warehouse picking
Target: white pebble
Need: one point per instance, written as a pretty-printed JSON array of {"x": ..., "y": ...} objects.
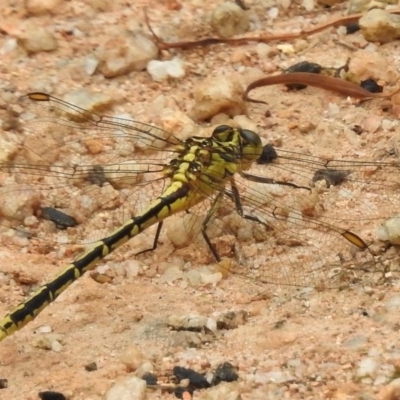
[
  {"x": 124, "y": 53},
  {"x": 389, "y": 231},
  {"x": 129, "y": 388},
  {"x": 162, "y": 70},
  {"x": 368, "y": 367}
]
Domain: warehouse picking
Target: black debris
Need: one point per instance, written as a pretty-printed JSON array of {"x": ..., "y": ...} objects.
[
  {"x": 331, "y": 176},
  {"x": 225, "y": 372},
  {"x": 196, "y": 380},
  {"x": 61, "y": 220},
  {"x": 91, "y": 366},
  {"x": 179, "y": 391},
  {"x": 371, "y": 86},
  {"x": 303, "y": 66},
  {"x": 268, "y": 154},
  {"x": 96, "y": 176},
  {"x": 49, "y": 395},
  {"x": 3, "y": 383},
  {"x": 150, "y": 378},
  {"x": 352, "y": 28}
]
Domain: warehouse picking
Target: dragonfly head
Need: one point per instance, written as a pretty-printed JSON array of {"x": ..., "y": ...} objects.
[{"x": 248, "y": 141}]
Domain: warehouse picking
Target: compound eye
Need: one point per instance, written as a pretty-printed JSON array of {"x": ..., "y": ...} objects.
[
  {"x": 250, "y": 137},
  {"x": 221, "y": 129}
]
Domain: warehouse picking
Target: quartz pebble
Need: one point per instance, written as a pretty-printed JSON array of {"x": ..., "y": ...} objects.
[
  {"x": 162, "y": 70},
  {"x": 218, "y": 94},
  {"x": 380, "y": 26},
  {"x": 124, "y": 53},
  {"x": 389, "y": 231},
  {"x": 90, "y": 101},
  {"x": 368, "y": 367},
  {"x": 127, "y": 388}
]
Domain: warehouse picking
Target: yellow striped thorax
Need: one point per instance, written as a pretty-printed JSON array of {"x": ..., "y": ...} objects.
[{"x": 227, "y": 151}]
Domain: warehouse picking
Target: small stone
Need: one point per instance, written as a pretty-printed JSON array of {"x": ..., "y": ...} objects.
[
  {"x": 368, "y": 367},
  {"x": 35, "y": 39},
  {"x": 145, "y": 368},
  {"x": 40, "y": 7},
  {"x": 308, "y": 4},
  {"x": 356, "y": 342},
  {"x": 215, "y": 95},
  {"x": 393, "y": 303},
  {"x": 225, "y": 390},
  {"x": 186, "y": 339},
  {"x": 91, "y": 366},
  {"x": 127, "y": 388},
  {"x": 232, "y": 319},
  {"x": 228, "y": 19},
  {"x": 56, "y": 346},
  {"x": 124, "y": 53},
  {"x": 132, "y": 358},
  {"x": 225, "y": 372},
  {"x": 380, "y": 26},
  {"x": 87, "y": 99},
  {"x": 90, "y": 65},
  {"x": 389, "y": 231},
  {"x": 362, "y": 6},
  {"x": 162, "y": 70},
  {"x": 366, "y": 64}
]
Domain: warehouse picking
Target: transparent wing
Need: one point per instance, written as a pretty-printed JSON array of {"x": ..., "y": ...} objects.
[{"x": 82, "y": 164}]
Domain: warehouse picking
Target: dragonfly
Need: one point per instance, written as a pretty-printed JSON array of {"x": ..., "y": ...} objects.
[{"x": 288, "y": 219}]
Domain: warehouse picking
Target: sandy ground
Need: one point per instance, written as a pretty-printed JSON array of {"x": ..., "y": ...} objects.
[{"x": 327, "y": 336}]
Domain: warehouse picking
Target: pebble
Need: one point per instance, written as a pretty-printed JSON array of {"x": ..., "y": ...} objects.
[
  {"x": 355, "y": 342},
  {"x": 389, "y": 231},
  {"x": 90, "y": 65},
  {"x": 127, "y": 388},
  {"x": 393, "y": 303},
  {"x": 362, "y": 6},
  {"x": 188, "y": 322},
  {"x": 368, "y": 368},
  {"x": 132, "y": 358},
  {"x": 35, "y": 39},
  {"x": 146, "y": 368},
  {"x": 308, "y": 4},
  {"x": 228, "y": 20},
  {"x": 124, "y": 53},
  {"x": 225, "y": 390},
  {"x": 162, "y": 70},
  {"x": 40, "y": 7},
  {"x": 186, "y": 339},
  {"x": 380, "y": 26},
  {"x": 225, "y": 372},
  {"x": 276, "y": 376},
  {"x": 87, "y": 99},
  {"x": 366, "y": 64},
  {"x": 217, "y": 94}
]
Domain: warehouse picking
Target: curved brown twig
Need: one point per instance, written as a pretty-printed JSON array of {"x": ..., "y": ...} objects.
[
  {"x": 326, "y": 82},
  {"x": 339, "y": 21}
]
